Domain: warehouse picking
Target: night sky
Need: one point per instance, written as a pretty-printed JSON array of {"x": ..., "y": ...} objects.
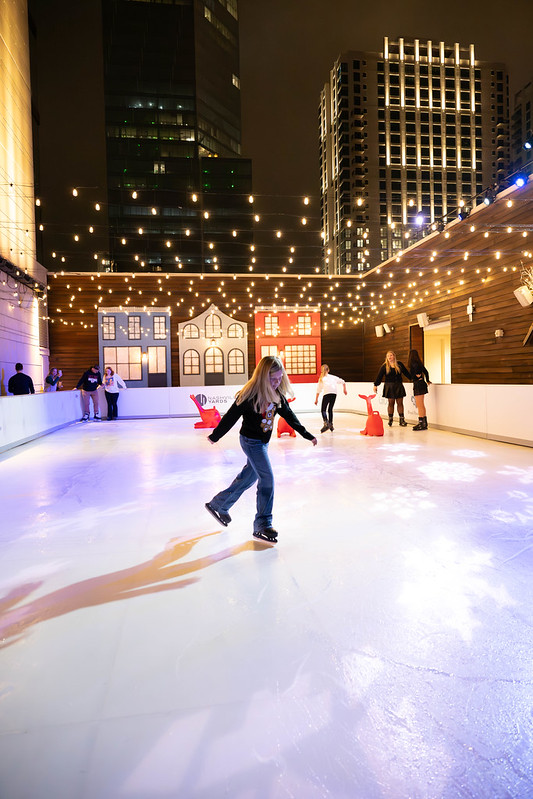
[{"x": 288, "y": 47}]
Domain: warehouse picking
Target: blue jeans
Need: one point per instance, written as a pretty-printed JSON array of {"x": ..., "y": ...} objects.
[{"x": 257, "y": 469}]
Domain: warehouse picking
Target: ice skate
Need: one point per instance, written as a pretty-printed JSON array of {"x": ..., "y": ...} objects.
[
  {"x": 268, "y": 534},
  {"x": 220, "y": 516}
]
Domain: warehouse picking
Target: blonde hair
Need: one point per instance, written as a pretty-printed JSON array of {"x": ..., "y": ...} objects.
[
  {"x": 324, "y": 370},
  {"x": 386, "y": 364},
  {"x": 258, "y": 388}
]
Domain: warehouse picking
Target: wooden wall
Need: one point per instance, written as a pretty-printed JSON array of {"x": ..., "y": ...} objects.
[{"x": 73, "y": 299}]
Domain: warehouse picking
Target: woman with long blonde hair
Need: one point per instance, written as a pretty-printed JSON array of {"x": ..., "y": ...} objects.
[
  {"x": 391, "y": 373},
  {"x": 257, "y": 402}
]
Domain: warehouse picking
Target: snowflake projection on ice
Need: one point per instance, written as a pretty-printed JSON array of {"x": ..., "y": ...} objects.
[
  {"x": 311, "y": 468},
  {"x": 446, "y": 585},
  {"x": 402, "y": 502},
  {"x": 400, "y": 447},
  {"x": 521, "y": 475},
  {"x": 399, "y": 458},
  {"x": 451, "y": 472},
  {"x": 520, "y": 509},
  {"x": 468, "y": 453}
]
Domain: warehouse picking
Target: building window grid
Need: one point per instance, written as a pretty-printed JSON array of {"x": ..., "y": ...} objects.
[
  {"x": 160, "y": 327},
  {"x": 213, "y": 326},
  {"x": 304, "y": 326},
  {"x": 134, "y": 327},
  {"x": 125, "y": 361},
  {"x": 191, "y": 331},
  {"x": 191, "y": 362},
  {"x": 271, "y": 325},
  {"x": 214, "y": 361},
  {"x": 300, "y": 359},
  {"x": 235, "y": 362},
  {"x": 108, "y": 328}
]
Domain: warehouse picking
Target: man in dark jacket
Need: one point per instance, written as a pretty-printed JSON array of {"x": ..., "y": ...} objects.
[
  {"x": 20, "y": 383},
  {"x": 89, "y": 382}
]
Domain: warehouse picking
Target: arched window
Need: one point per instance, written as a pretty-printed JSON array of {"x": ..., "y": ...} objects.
[
  {"x": 191, "y": 331},
  {"x": 235, "y": 362},
  {"x": 191, "y": 362},
  {"x": 235, "y": 330},
  {"x": 214, "y": 361},
  {"x": 213, "y": 326}
]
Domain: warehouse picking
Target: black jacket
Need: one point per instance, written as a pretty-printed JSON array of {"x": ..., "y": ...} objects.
[
  {"x": 258, "y": 425},
  {"x": 20, "y": 384},
  {"x": 89, "y": 381}
]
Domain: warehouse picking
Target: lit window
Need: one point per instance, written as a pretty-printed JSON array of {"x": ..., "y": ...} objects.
[
  {"x": 191, "y": 331},
  {"x": 191, "y": 362},
  {"x": 125, "y": 361},
  {"x": 235, "y": 331},
  {"x": 160, "y": 327},
  {"x": 213, "y": 326},
  {"x": 271, "y": 326},
  {"x": 300, "y": 359},
  {"x": 214, "y": 361},
  {"x": 108, "y": 328},
  {"x": 157, "y": 360},
  {"x": 235, "y": 362},
  {"x": 304, "y": 326},
  {"x": 134, "y": 327},
  {"x": 269, "y": 351}
]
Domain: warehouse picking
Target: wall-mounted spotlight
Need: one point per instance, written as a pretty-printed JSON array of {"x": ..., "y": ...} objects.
[
  {"x": 380, "y": 331},
  {"x": 463, "y": 213},
  {"x": 498, "y": 333},
  {"x": 388, "y": 328},
  {"x": 490, "y": 196},
  {"x": 520, "y": 180},
  {"x": 423, "y": 319},
  {"x": 524, "y": 296}
]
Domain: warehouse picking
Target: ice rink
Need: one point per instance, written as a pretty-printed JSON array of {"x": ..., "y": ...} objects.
[{"x": 381, "y": 650}]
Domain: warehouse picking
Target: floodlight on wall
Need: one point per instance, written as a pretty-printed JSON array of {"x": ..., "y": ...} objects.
[
  {"x": 524, "y": 296},
  {"x": 387, "y": 328},
  {"x": 380, "y": 331},
  {"x": 423, "y": 319},
  {"x": 463, "y": 213},
  {"x": 498, "y": 333}
]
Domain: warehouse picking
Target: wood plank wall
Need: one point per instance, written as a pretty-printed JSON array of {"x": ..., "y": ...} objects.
[{"x": 74, "y": 335}]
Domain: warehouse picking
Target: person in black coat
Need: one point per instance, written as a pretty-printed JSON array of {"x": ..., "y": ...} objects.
[
  {"x": 420, "y": 377},
  {"x": 391, "y": 373}
]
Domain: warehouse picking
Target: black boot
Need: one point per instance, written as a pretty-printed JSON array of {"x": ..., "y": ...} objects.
[
  {"x": 425, "y": 422},
  {"x": 420, "y": 425},
  {"x": 403, "y": 423},
  {"x": 391, "y": 417}
]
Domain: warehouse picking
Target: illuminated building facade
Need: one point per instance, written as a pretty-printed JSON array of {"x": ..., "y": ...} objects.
[
  {"x": 406, "y": 137},
  {"x": 165, "y": 85}
]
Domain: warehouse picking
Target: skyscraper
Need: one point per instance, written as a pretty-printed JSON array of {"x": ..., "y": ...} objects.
[
  {"x": 167, "y": 104},
  {"x": 406, "y": 137}
]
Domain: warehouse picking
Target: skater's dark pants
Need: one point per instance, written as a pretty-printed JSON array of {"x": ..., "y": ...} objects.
[
  {"x": 328, "y": 401},
  {"x": 112, "y": 403},
  {"x": 257, "y": 469}
]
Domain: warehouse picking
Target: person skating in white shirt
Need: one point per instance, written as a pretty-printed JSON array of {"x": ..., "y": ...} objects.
[{"x": 328, "y": 384}]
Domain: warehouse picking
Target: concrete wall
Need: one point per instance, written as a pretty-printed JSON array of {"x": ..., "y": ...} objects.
[{"x": 501, "y": 413}]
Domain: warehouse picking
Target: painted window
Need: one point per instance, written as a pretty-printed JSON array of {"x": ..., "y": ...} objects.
[
  {"x": 160, "y": 327},
  {"x": 271, "y": 325},
  {"x": 304, "y": 326},
  {"x": 108, "y": 328},
  {"x": 235, "y": 331},
  {"x": 235, "y": 362},
  {"x": 213, "y": 326},
  {"x": 300, "y": 359},
  {"x": 214, "y": 361},
  {"x": 134, "y": 327},
  {"x": 157, "y": 360},
  {"x": 191, "y": 362},
  {"x": 191, "y": 331},
  {"x": 267, "y": 350},
  {"x": 125, "y": 361}
]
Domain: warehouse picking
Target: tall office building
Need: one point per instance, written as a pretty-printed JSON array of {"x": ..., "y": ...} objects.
[
  {"x": 522, "y": 130},
  {"x": 172, "y": 186},
  {"x": 406, "y": 137}
]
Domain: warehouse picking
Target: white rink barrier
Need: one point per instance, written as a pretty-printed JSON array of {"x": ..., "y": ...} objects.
[{"x": 498, "y": 412}]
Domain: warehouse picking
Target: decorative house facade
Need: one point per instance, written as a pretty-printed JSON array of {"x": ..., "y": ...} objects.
[
  {"x": 294, "y": 335},
  {"x": 213, "y": 350},
  {"x": 135, "y": 343}
]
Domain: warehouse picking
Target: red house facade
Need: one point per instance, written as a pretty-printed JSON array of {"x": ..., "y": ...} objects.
[{"x": 294, "y": 335}]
